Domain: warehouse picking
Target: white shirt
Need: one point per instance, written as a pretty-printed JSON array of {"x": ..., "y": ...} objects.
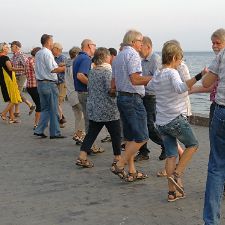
[
  {"x": 44, "y": 64},
  {"x": 170, "y": 100}
]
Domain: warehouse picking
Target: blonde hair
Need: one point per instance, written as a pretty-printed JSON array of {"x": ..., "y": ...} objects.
[
  {"x": 131, "y": 36},
  {"x": 2, "y": 45},
  {"x": 220, "y": 34},
  {"x": 170, "y": 51}
]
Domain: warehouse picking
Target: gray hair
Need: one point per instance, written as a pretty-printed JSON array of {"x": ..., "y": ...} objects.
[
  {"x": 100, "y": 56},
  {"x": 2, "y": 45},
  {"x": 73, "y": 52},
  {"x": 147, "y": 41},
  {"x": 85, "y": 42},
  {"x": 220, "y": 34},
  {"x": 131, "y": 36}
]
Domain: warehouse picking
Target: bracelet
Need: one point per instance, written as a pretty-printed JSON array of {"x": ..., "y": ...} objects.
[{"x": 198, "y": 76}]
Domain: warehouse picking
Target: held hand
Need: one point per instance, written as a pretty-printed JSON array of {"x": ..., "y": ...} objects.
[{"x": 112, "y": 92}]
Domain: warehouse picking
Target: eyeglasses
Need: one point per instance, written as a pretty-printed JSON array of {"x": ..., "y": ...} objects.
[{"x": 93, "y": 44}]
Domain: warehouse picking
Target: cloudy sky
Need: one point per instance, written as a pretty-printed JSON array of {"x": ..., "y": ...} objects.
[{"x": 105, "y": 21}]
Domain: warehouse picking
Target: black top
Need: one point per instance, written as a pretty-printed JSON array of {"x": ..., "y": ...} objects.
[{"x": 3, "y": 60}]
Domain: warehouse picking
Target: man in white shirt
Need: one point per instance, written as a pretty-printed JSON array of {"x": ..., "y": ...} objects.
[{"x": 46, "y": 70}]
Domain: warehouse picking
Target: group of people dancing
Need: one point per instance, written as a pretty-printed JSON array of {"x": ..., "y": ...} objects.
[{"x": 136, "y": 95}]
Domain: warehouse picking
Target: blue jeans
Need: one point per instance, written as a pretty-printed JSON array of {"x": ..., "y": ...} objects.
[
  {"x": 48, "y": 93},
  {"x": 179, "y": 128},
  {"x": 216, "y": 169},
  {"x": 134, "y": 118}
]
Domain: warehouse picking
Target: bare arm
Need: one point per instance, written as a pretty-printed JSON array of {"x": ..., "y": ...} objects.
[
  {"x": 59, "y": 69},
  {"x": 82, "y": 78},
  {"x": 136, "y": 79},
  {"x": 200, "y": 89},
  {"x": 209, "y": 79},
  {"x": 11, "y": 68}
]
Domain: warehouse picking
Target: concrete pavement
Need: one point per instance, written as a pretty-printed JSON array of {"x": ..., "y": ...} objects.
[{"x": 41, "y": 185}]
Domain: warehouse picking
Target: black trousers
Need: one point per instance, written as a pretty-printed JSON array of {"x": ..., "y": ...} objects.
[
  {"x": 150, "y": 106},
  {"x": 33, "y": 92},
  {"x": 94, "y": 129}
]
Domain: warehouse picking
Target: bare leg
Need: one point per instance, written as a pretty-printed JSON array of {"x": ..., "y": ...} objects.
[
  {"x": 131, "y": 149},
  {"x": 170, "y": 168},
  {"x": 37, "y": 118}
]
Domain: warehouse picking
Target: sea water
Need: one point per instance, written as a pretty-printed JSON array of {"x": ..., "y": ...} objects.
[{"x": 196, "y": 61}]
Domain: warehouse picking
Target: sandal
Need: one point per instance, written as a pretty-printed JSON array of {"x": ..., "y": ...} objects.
[
  {"x": 135, "y": 176},
  {"x": 119, "y": 172},
  {"x": 85, "y": 163},
  {"x": 96, "y": 149},
  {"x": 3, "y": 117},
  {"x": 162, "y": 173},
  {"x": 173, "y": 196},
  {"x": 32, "y": 108},
  {"x": 13, "y": 121},
  {"x": 174, "y": 180},
  {"x": 17, "y": 114}
]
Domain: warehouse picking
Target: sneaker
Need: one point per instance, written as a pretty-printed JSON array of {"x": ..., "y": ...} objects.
[{"x": 141, "y": 157}]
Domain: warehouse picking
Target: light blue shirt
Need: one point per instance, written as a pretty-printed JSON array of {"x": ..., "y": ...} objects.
[
  {"x": 218, "y": 67},
  {"x": 149, "y": 65},
  {"x": 125, "y": 64},
  {"x": 44, "y": 64}
]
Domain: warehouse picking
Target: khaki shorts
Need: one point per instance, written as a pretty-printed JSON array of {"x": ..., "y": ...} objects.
[
  {"x": 62, "y": 91},
  {"x": 21, "y": 81}
]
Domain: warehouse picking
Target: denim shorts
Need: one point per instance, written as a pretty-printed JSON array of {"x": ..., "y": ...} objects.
[
  {"x": 134, "y": 118},
  {"x": 179, "y": 128}
]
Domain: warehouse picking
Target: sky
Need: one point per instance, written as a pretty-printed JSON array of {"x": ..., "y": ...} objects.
[{"x": 191, "y": 22}]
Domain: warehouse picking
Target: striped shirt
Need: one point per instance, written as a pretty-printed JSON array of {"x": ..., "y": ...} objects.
[
  {"x": 170, "y": 102},
  {"x": 149, "y": 66},
  {"x": 218, "y": 67},
  {"x": 126, "y": 63}
]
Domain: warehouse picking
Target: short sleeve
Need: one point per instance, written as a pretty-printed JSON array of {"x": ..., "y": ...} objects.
[
  {"x": 85, "y": 66},
  {"x": 134, "y": 64}
]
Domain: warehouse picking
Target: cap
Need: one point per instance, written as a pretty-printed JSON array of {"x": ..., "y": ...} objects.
[{"x": 17, "y": 43}]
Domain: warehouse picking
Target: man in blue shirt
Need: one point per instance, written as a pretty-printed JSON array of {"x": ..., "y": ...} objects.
[{"x": 81, "y": 68}]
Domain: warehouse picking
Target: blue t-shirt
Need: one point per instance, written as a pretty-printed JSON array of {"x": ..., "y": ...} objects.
[{"x": 82, "y": 64}]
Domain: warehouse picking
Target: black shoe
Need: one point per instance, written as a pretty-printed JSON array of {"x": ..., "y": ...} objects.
[
  {"x": 40, "y": 135},
  {"x": 163, "y": 154},
  {"x": 141, "y": 157},
  {"x": 56, "y": 137}
]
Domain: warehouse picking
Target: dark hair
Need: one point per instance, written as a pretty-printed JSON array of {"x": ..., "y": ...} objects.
[
  {"x": 34, "y": 51},
  {"x": 17, "y": 43},
  {"x": 113, "y": 51},
  {"x": 45, "y": 38}
]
